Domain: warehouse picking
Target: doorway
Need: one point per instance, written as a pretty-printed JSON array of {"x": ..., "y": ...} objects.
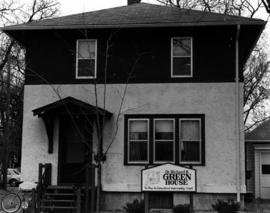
[
  {"x": 265, "y": 175},
  {"x": 75, "y": 149}
]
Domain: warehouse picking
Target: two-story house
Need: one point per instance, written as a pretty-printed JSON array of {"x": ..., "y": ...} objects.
[{"x": 166, "y": 85}]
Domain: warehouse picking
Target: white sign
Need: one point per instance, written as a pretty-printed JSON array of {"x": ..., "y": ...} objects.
[{"x": 169, "y": 177}]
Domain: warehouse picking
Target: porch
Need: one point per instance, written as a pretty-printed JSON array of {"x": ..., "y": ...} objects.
[{"x": 64, "y": 198}]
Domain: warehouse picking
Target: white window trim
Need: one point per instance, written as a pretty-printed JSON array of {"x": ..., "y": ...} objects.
[
  {"x": 191, "y": 58},
  {"x": 77, "y": 59},
  {"x": 154, "y": 140},
  {"x": 181, "y": 141},
  {"x": 148, "y": 140}
]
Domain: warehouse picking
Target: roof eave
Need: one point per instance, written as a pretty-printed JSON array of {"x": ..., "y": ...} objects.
[
  {"x": 133, "y": 25},
  {"x": 255, "y": 42}
]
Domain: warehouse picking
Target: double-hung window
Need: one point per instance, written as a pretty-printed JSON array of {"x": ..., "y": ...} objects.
[
  {"x": 190, "y": 140},
  {"x": 181, "y": 57},
  {"x": 157, "y": 139},
  {"x": 138, "y": 140},
  {"x": 86, "y": 59},
  {"x": 163, "y": 140}
]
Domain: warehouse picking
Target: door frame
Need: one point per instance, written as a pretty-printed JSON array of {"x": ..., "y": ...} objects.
[
  {"x": 259, "y": 149},
  {"x": 60, "y": 149}
]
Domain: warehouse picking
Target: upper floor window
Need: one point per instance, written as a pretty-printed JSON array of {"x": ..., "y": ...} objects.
[
  {"x": 181, "y": 57},
  {"x": 86, "y": 59},
  {"x": 156, "y": 139}
]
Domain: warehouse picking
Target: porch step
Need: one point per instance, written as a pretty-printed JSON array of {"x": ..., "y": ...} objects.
[
  {"x": 58, "y": 198},
  {"x": 57, "y": 207},
  {"x": 59, "y": 194},
  {"x": 59, "y": 201},
  {"x": 59, "y": 187}
]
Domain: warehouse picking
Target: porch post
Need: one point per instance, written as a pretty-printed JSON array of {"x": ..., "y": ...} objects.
[
  {"x": 93, "y": 191},
  {"x": 87, "y": 189},
  {"x": 78, "y": 200}
]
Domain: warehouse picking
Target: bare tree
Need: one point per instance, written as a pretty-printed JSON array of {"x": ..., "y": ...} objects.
[
  {"x": 256, "y": 88},
  {"x": 230, "y": 7},
  {"x": 266, "y": 4},
  {"x": 12, "y": 67}
]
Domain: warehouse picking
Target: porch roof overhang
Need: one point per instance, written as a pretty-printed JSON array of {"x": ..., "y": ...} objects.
[{"x": 68, "y": 106}]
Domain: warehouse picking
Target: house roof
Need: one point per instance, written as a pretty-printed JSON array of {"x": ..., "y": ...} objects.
[
  {"x": 261, "y": 133},
  {"x": 137, "y": 15},
  {"x": 69, "y": 105}
]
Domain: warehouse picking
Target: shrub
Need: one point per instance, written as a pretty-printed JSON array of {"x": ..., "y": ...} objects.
[
  {"x": 181, "y": 208},
  {"x": 135, "y": 207},
  {"x": 229, "y": 206}
]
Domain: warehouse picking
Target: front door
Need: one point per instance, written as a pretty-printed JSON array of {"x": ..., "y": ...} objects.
[
  {"x": 265, "y": 175},
  {"x": 75, "y": 149}
]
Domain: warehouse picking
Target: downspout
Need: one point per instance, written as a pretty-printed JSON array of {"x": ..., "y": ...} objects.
[{"x": 238, "y": 117}]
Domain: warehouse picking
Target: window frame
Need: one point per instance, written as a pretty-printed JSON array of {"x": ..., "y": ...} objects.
[
  {"x": 181, "y": 141},
  {"x": 151, "y": 118},
  {"x": 191, "y": 57},
  {"x": 128, "y": 140},
  {"x": 154, "y": 140},
  {"x": 78, "y": 58}
]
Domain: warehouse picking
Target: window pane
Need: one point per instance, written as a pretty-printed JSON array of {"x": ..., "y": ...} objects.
[
  {"x": 164, "y": 151},
  {"x": 86, "y": 68},
  {"x": 138, "y": 151},
  {"x": 182, "y": 66},
  {"x": 138, "y": 130},
  {"x": 164, "y": 129},
  {"x": 190, "y": 151},
  {"x": 266, "y": 169},
  {"x": 190, "y": 130},
  {"x": 86, "y": 49},
  {"x": 181, "y": 47}
]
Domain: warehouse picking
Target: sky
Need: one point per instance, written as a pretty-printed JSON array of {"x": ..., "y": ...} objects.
[{"x": 77, "y": 6}]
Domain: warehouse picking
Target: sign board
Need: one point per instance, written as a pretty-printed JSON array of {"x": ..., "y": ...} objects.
[{"x": 169, "y": 178}]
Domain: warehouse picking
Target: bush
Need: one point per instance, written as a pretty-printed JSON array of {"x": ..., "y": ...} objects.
[
  {"x": 181, "y": 208},
  {"x": 135, "y": 207},
  {"x": 229, "y": 206}
]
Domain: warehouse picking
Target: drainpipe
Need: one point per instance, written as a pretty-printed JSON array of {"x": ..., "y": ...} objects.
[{"x": 238, "y": 117}]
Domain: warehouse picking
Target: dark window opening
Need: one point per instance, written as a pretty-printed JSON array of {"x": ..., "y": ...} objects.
[{"x": 265, "y": 169}]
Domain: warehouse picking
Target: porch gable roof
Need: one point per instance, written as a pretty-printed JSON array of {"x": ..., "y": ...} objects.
[
  {"x": 66, "y": 106},
  {"x": 70, "y": 105}
]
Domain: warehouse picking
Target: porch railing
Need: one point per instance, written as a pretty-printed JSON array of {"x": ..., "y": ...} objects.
[
  {"x": 84, "y": 194},
  {"x": 44, "y": 180}
]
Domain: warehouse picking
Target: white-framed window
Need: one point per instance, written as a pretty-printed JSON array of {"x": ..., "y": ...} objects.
[
  {"x": 138, "y": 141},
  {"x": 160, "y": 138},
  {"x": 190, "y": 141},
  {"x": 86, "y": 59},
  {"x": 181, "y": 57},
  {"x": 164, "y": 138}
]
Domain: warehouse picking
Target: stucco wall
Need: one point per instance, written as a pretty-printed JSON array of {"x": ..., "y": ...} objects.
[{"x": 215, "y": 100}]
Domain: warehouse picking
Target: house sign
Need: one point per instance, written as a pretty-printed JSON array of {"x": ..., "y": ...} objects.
[{"x": 169, "y": 178}]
